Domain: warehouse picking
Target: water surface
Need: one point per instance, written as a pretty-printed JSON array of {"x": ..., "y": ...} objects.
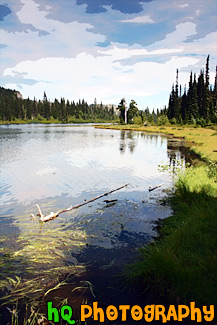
[{"x": 57, "y": 166}]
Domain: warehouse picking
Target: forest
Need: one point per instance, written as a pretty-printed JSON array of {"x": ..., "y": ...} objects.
[
  {"x": 195, "y": 105},
  {"x": 198, "y": 104},
  {"x": 13, "y": 107}
]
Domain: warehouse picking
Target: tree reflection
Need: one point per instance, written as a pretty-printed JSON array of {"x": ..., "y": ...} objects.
[{"x": 127, "y": 139}]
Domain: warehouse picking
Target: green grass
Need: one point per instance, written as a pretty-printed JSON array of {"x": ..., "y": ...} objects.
[{"x": 181, "y": 265}]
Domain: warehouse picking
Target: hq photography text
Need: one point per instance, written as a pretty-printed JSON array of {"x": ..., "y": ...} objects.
[{"x": 148, "y": 313}]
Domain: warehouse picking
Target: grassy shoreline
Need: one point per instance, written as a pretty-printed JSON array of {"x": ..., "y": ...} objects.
[{"x": 181, "y": 265}]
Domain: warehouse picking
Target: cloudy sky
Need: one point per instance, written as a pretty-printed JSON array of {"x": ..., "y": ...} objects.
[{"x": 108, "y": 49}]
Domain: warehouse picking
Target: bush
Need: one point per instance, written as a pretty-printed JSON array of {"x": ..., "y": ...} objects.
[
  {"x": 39, "y": 117},
  {"x": 173, "y": 121},
  {"x": 212, "y": 169},
  {"x": 162, "y": 120},
  {"x": 137, "y": 120},
  {"x": 201, "y": 121}
]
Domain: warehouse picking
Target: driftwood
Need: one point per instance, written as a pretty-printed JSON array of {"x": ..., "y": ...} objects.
[
  {"x": 153, "y": 188},
  {"x": 110, "y": 201},
  {"x": 54, "y": 215}
]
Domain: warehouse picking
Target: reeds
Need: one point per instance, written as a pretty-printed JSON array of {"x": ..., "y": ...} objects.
[{"x": 36, "y": 264}]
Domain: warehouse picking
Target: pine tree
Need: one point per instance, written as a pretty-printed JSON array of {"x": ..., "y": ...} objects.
[
  {"x": 132, "y": 111},
  {"x": 206, "y": 92},
  {"x": 46, "y": 107},
  {"x": 170, "y": 113},
  {"x": 176, "y": 98},
  {"x": 122, "y": 108},
  {"x": 215, "y": 94},
  {"x": 201, "y": 94},
  {"x": 34, "y": 108},
  {"x": 28, "y": 109},
  {"x": 184, "y": 106},
  {"x": 189, "y": 117},
  {"x": 194, "y": 100}
]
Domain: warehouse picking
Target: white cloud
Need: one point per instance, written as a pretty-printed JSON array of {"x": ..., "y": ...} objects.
[
  {"x": 68, "y": 39},
  {"x": 184, "y": 5},
  {"x": 82, "y": 77},
  {"x": 67, "y": 63},
  {"x": 139, "y": 20},
  {"x": 108, "y": 78},
  {"x": 118, "y": 53},
  {"x": 175, "y": 39}
]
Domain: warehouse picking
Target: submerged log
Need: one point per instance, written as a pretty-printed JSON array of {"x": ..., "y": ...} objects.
[
  {"x": 153, "y": 188},
  {"x": 54, "y": 215},
  {"x": 110, "y": 201}
]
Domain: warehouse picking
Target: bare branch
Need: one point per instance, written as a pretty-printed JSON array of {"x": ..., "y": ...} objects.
[
  {"x": 54, "y": 215},
  {"x": 153, "y": 188}
]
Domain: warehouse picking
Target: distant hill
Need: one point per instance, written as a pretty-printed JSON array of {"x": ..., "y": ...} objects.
[{"x": 10, "y": 93}]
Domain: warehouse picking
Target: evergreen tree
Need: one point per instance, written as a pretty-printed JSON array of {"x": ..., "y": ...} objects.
[
  {"x": 34, "y": 108},
  {"x": 132, "y": 111},
  {"x": 171, "y": 113},
  {"x": 46, "y": 107},
  {"x": 189, "y": 116},
  {"x": 215, "y": 93},
  {"x": 206, "y": 92},
  {"x": 184, "y": 105},
  {"x": 28, "y": 109},
  {"x": 122, "y": 108},
  {"x": 176, "y": 101},
  {"x": 194, "y": 100},
  {"x": 201, "y": 94}
]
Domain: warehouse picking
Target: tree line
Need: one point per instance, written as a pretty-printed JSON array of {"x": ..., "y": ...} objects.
[
  {"x": 195, "y": 105},
  {"x": 198, "y": 104},
  {"x": 14, "y": 107}
]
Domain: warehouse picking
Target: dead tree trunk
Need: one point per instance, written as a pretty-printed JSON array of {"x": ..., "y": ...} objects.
[{"x": 54, "y": 215}]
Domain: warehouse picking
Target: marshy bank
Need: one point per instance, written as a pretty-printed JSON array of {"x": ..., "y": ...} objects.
[
  {"x": 181, "y": 265},
  {"x": 79, "y": 256}
]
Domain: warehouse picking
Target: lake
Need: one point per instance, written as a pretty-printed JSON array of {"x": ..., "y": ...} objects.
[{"x": 57, "y": 166}]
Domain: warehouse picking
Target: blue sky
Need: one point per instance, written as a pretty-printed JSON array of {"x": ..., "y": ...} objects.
[{"x": 108, "y": 49}]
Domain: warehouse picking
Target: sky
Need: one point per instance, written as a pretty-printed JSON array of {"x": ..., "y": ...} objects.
[{"x": 105, "y": 49}]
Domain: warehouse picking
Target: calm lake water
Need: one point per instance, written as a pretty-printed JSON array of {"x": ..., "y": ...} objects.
[{"x": 57, "y": 166}]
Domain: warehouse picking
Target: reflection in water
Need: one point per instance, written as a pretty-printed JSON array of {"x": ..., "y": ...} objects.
[
  {"x": 122, "y": 141},
  {"x": 178, "y": 152},
  {"x": 59, "y": 166}
]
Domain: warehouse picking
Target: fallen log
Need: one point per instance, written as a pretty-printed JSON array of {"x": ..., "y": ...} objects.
[
  {"x": 53, "y": 215},
  {"x": 153, "y": 188},
  {"x": 110, "y": 201}
]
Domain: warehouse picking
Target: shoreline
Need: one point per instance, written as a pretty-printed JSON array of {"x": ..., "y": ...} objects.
[
  {"x": 44, "y": 121},
  {"x": 202, "y": 141},
  {"x": 176, "y": 264}
]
